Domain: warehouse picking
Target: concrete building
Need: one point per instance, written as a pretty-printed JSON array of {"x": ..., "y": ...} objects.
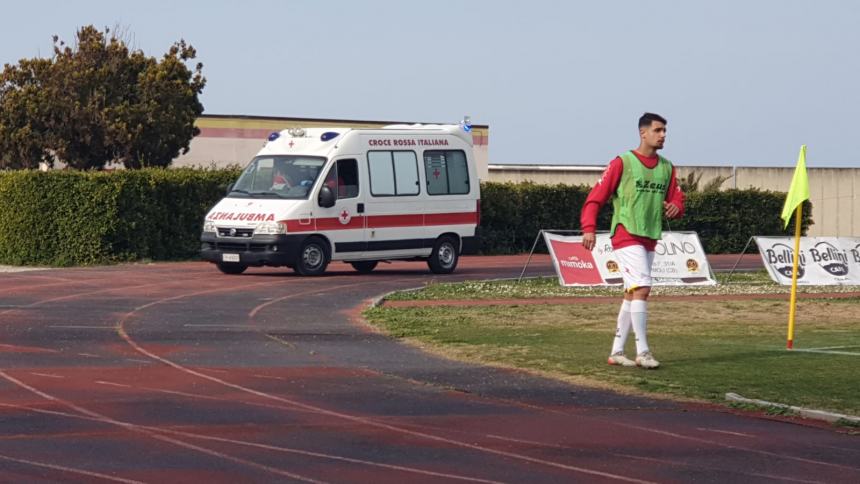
[{"x": 234, "y": 140}]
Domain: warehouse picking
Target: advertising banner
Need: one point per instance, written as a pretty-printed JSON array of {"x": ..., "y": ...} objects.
[
  {"x": 678, "y": 260},
  {"x": 824, "y": 261}
]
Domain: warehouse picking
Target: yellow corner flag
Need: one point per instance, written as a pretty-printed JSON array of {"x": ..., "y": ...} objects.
[
  {"x": 797, "y": 193},
  {"x": 799, "y": 190}
]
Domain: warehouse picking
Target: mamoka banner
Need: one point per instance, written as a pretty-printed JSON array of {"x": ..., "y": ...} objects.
[
  {"x": 824, "y": 261},
  {"x": 678, "y": 260}
]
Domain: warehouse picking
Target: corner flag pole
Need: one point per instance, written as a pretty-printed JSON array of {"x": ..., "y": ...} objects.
[
  {"x": 793, "y": 302},
  {"x": 797, "y": 193}
]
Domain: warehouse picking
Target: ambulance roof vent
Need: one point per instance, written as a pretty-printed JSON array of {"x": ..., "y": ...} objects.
[
  {"x": 329, "y": 135},
  {"x": 296, "y": 132},
  {"x": 275, "y": 135}
]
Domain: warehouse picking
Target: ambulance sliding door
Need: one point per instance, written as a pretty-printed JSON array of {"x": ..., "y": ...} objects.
[{"x": 395, "y": 209}]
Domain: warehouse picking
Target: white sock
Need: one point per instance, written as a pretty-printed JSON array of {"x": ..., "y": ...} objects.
[
  {"x": 622, "y": 329},
  {"x": 639, "y": 317}
]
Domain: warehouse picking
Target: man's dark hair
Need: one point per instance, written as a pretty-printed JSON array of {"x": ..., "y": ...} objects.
[{"x": 648, "y": 118}]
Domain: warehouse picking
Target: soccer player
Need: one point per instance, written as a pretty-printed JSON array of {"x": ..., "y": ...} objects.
[{"x": 643, "y": 188}]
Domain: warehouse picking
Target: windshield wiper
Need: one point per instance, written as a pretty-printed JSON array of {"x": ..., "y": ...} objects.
[{"x": 254, "y": 194}]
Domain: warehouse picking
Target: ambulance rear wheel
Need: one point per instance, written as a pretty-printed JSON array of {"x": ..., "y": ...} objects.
[
  {"x": 313, "y": 257},
  {"x": 231, "y": 267},
  {"x": 444, "y": 258},
  {"x": 364, "y": 266}
]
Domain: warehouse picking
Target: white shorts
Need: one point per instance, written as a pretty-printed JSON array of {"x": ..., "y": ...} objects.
[{"x": 635, "y": 264}]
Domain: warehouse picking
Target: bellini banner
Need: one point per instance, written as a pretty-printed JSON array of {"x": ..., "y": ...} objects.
[
  {"x": 678, "y": 260},
  {"x": 824, "y": 261}
]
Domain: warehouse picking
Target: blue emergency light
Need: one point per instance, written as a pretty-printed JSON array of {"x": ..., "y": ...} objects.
[
  {"x": 275, "y": 135},
  {"x": 329, "y": 135},
  {"x": 466, "y": 123}
]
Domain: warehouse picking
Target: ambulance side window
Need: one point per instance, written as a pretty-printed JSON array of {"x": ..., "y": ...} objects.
[
  {"x": 447, "y": 172},
  {"x": 393, "y": 173},
  {"x": 342, "y": 179}
]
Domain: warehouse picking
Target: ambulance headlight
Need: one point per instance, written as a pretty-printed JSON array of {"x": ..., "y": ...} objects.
[
  {"x": 209, "y": 226},
  {"x": 270, "y": 228}
]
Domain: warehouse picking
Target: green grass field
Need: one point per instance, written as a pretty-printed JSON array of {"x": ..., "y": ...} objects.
[{"x": 707, "y": 348}]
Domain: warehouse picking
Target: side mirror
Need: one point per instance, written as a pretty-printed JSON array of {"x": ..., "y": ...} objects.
[
  {"x": 229, "y": 188},
  {"x": 326, "y": 197}
]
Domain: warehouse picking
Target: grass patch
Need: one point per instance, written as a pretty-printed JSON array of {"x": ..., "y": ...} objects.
[
  {"x": 738, "y": 283},
  {"x": 707, "y": 348},
  {"x": 848, "y": 424}
]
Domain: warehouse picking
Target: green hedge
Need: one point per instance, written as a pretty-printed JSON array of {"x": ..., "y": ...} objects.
[
  {"x": 64, "y": 218},
  {"x": 513, "y": 214},
  {"x": 726, "y": 220}
]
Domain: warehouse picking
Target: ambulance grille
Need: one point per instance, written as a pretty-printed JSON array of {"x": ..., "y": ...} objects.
[
  {"x": 234, "y": 232},
  {"x": 240, "y": 247}
]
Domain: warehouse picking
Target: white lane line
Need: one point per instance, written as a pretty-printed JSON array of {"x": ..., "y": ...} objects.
[
  {"x": 235, "y": 327},
  {"x": 89, "y": 355},
  {"x": 529, "y": 442},
  {"x": 70, "y": 470},
  {"x": 137, "y": 360},
  {"x": 827, "y": 352},
  {"x": 28, "y": 348},
  {"x": 636, "y": 457},
  {"x": 77, "y": 326},
  {"x": 748, "y": 450},
  {"x": 154, "y": 434},
  {"x": 727, "y": 432},
  {"x": 270, "y": 377},
  {"x": 280, "y": 340},
  {"x": 47, "y": 375},
  {"x": 213, "y": 370},
  {"x": 286, "y": 450},
  {"x": 100, "y": 382},
  {"x": 363, "y": 420},
  {"x": 704, "y": 467},
  {"x": 201, "y": 396}
]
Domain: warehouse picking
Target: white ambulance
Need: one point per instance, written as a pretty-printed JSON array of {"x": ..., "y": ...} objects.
[{"x": 362, "y": 196}]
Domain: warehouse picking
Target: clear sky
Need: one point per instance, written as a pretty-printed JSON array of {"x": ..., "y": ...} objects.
[{"x": 742, "y": 82}]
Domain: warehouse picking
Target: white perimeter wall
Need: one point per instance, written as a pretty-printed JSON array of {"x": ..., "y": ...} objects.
[{"x": 833, "y": 191}]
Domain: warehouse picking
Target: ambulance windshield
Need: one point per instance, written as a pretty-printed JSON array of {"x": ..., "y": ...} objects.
[{"x": 278, "y": 177}]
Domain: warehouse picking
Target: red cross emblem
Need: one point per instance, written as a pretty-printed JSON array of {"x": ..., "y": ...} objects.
[
  {"x": 436, "y": 173},
  {"x": 345, "y": 217},
  {"x": 291, "y": 143}
]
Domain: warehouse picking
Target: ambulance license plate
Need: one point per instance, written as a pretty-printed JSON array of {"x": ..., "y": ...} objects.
[{"x": 230, "y": 257}]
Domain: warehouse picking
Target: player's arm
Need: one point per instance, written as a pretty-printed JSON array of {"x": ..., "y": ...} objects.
[
  {"x": 597, "y": 197},
  {"x": 673, "y": 205}
]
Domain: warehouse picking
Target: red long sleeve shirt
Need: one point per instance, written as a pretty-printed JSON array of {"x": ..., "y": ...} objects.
[{"x": 605, "y": 188}]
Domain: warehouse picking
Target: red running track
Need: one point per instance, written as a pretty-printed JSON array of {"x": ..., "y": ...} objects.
[{"x": 177, "y": 373}]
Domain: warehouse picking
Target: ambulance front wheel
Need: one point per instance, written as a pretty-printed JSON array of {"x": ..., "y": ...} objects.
[
  {"x": 231, "y": 267},
  {"x": 444, "y": 258},
  {"x": 313, "y": 257}
]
